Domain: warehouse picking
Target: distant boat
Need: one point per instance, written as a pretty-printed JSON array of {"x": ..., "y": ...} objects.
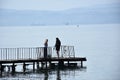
[{"x": 77, "y": 25}]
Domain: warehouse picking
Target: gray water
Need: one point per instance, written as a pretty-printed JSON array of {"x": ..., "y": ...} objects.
[{"x": 100, "y": 44}]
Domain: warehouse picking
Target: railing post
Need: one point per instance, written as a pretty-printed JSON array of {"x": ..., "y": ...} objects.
[
  {"x": 69, "y": 51},
  {"x": 51, "y": 52},
  {"x": 32, "y": 53},
  {"x": 73, "y": 52},
  {"x": 17, "y": 53},
  {"x": 6, "y": 53},
  {"x": 1, "y": 53},
  {"x": 61, "y": 51},
  {"x": 22, "y": 53},
  {"x": 29, "y": 53}
]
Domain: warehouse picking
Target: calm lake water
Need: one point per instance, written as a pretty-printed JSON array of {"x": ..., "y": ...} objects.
[{"x": 100, "y": 44}]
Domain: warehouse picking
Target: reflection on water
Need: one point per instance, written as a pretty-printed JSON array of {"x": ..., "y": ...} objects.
[{"x": 45, "y": 74}]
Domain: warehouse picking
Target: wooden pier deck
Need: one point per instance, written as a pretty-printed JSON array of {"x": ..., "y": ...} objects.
[
  {"x": 42, "y": 60},
  {"x": 36, "y": 56}
]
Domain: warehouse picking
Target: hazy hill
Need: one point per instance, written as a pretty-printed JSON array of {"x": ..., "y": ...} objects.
[{"x": 92, "y": 15}]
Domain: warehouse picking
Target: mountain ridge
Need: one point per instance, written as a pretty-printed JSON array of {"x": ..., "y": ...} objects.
[{"x": 104, "y": 14}]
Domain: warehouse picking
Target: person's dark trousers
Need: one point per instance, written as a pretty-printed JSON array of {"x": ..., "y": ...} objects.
[{"x": 45, "y": 52}]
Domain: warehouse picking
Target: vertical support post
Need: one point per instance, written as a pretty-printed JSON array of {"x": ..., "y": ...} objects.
[
  {"x": 8, "y": 68},
  {"x": 24, "y": 67},
  {"x": 46, "y": 63},
  {"x": 13, "y": 68},
  {"x": 42, "y": 65},
  {"x": 1, "y": 69},
  {"x": 68, "y": 64},
  {"x": 37, "y": 65},
  {"x": 61, "y": 64},
  {"x": 33, "y": 66},
  {"x": 81, "y": 64},
  {"x": 50, "y": 64}
]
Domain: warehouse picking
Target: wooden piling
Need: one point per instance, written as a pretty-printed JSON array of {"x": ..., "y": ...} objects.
[
  {"x": 81, "y": 64},
  {"x": 46, "y": 64},
  {"x": 0, "y": 69},
  {"x": 38, "y": 65},
  {"x": 68, "y": 63},
  {"x": 61, "y": 64},
  {"x": 24, "y": 67},
  {"x": 50, "y": 64},
  {"x": 8, "y": 68},
  {"x": 33, "y": 66},
  {"x": 13, "y": 67}
]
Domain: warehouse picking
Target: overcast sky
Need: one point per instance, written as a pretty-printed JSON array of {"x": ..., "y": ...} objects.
[{"x": 51, "y": 4}]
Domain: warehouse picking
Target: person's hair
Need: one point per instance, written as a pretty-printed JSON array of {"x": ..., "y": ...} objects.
[
  {"x": 57, "y": 38},
  {"x": 46, "y": 40}
]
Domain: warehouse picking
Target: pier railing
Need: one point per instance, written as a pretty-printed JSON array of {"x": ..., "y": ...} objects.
[
  {"x": 67, "y": 51},
  {"x": 34, "y": 53}
]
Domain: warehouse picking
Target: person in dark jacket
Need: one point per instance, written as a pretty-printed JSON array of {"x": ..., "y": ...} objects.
[
  {"x": 57, "y": 46},
  {"x": 45, "y": 48}
]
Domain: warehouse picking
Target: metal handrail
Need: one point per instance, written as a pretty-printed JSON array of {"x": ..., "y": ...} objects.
[{"x": 34, "y": 53}]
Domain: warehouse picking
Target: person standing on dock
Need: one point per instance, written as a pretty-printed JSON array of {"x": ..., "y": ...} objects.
[
  {"x": 57, "y": 46},
  {"x": 45, "y": 48}
]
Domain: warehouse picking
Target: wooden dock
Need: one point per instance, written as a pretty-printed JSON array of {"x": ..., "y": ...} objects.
[{"x": 35, "y": 56}]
